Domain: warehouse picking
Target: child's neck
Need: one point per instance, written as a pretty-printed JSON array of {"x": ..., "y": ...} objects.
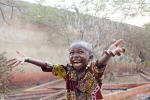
[{"x": 81, "y": 71}]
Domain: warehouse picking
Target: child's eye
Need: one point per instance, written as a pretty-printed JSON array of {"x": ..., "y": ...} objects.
[
  {"x": 71, "y": 53},
  {"x": 81, "y": 51}
]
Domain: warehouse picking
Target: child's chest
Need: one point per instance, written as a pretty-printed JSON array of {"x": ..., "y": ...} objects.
[{"x": 83, "y": 81}]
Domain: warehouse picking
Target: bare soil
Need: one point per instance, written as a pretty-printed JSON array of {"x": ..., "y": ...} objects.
[{"x": 126, "y": 79}]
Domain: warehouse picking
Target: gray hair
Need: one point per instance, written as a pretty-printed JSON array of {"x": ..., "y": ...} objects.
[{"x": 85, "y": 44}]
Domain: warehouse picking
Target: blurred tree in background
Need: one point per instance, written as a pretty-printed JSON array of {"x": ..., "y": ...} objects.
[
  {"x": 10, "y": 4},
  {"x": 5, "y": 74},
  {"x": 100, "y": 22}
]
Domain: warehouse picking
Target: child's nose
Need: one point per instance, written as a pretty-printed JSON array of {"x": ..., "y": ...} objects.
[{"x": 76, "y": 55}]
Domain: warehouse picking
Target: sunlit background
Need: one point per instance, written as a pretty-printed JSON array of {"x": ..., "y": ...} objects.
[
  {"x": 44, "y": 29},
  {"x": 133, "y": 17}
]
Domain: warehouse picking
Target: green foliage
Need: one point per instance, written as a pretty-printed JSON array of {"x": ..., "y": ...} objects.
[
  {"x": 146, "y": 63},
  {"x": 141, "y": 65},
  {"x": 147, "y": 27},
  {"x": 4, "y": 74},
  {"x": 64, "y": 24},
  {"x": 112, "y": 76},
  {"x": 90, "y": 5},
  {"x": 51, "y": 19},
  {"x": 39, "y": 14},
  {"x": 3, "y": 1},
  {"x": 39, "y": 1},
  {"x": 46, "y": 16}
]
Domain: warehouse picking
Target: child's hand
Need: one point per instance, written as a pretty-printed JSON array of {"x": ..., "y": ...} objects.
[
  {"x": 114, "y": 50},
  {"x": 20, "y": 59}
]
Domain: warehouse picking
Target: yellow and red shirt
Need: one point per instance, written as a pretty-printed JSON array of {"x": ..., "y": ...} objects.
[{"x": 85, "y": 87}]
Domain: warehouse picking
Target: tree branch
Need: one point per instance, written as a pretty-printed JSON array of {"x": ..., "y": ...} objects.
[
  {"x": 3, "y": 16},
  {"x": 12, "y": 6}
]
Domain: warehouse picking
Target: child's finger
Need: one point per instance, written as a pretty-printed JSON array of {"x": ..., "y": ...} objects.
[
  {"x": 118, "y": 42},
  {"x": 10, "y": 60},
  {"x": 106, "y": 52},
  {"x": 118, "y": 53},
  {"x": 120, "y": 50},
  {"x": 11, "y": 63},
  {"x": 16, "y": 63},
  {"x": 123, "y": 49},
  {"x": 18, "y": 51},
  {"x": 112, "y": 53}
]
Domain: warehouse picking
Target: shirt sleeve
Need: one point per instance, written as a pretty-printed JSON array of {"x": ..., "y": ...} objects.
[
  {"x": 98, "y": 71},
  {"x": 56, "y": 69}
]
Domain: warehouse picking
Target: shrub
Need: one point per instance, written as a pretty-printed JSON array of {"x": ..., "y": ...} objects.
[
  {"x": 4, "y": 75},
  {"x": 112, "y": 76}
]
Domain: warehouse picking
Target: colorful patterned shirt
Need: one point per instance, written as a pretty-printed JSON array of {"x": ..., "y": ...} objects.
[{"x": 86, "y": 87}]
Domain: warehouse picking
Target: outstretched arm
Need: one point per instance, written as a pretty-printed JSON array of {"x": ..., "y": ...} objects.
[
  {"x": 21, "y": 58},
  {"x": 111, "y": 52}
]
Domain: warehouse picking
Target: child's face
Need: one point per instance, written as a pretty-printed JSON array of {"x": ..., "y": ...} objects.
[{"x": 79, "y": 56}]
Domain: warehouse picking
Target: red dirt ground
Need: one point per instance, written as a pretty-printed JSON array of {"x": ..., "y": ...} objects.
[{"x": 125, "y": 79}]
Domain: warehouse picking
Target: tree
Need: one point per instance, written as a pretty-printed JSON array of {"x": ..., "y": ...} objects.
[
  {"x": 77, "y": 22},
  {"x": 12, "y": 5},
  {"x": 121, "y": 10}
]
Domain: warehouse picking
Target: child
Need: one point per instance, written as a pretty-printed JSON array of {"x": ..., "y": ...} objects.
[{"x": 83, "y": 77}]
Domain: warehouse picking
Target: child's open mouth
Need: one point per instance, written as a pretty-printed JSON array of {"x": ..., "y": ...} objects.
[{"x": 77, "y": 65}]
